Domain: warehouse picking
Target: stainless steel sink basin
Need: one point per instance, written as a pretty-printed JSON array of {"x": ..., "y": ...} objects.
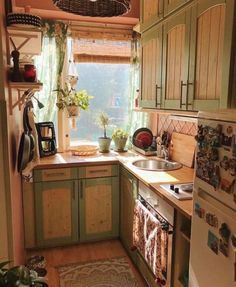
[{"x": 157, "y": 164}]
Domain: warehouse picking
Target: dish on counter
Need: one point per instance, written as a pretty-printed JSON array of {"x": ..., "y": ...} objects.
[
  {"x": 142, "y": 138},
  {"x": 84, "y": 150}
]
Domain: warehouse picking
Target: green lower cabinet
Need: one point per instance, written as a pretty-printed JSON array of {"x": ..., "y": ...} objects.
[
  {"x": 56, "y": 208},
  {"x": 128, "y": 195},
  {"x": 99, "y": 208}
]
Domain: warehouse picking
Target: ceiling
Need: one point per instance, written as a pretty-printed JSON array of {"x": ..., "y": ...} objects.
[{"x": 46, "y": 9}]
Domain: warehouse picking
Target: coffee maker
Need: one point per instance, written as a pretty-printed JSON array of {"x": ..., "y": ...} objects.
[{"x": 46, "y": 138}]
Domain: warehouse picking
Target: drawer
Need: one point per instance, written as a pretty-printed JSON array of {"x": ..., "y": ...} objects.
[
  {"x": 54, "y": 174},
  {"x": 98, "y": 171}
]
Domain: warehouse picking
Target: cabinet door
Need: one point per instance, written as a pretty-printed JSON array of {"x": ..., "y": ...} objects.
[
  {"x": 211, "y": 31},
  {"x": 176, "y": 57},
  {"x": 99, "y": 208},
  {"x": 151, "y": 68},
  {"x": 128, "y": 195},
  {"x": 171, "y": 5},
  {"x": 150, "y": 13},
  {"x": 56, "y": 205}
]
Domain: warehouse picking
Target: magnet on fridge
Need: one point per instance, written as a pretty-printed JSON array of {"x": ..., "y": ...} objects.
[
  {"x": 212, "y": 219},
  {"x": 213, "y": 242},
  {"x": 226, "y": 185},
  {"x": 225, "y": 232},
  {"x": 199, "y": 211},
  {"x": 224, "y": 248}
]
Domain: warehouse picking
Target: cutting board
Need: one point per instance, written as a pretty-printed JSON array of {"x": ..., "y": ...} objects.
[{"x": 183, "y": 148}]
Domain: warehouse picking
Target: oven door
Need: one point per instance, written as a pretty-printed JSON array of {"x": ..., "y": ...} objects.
[{"x": 153, "y": 240}]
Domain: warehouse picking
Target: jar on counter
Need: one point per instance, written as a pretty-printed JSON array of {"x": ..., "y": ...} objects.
[{"x": 29, "y": 73}]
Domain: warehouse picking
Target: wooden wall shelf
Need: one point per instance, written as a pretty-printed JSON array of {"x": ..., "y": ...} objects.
[{"x": 24, "y": 89}]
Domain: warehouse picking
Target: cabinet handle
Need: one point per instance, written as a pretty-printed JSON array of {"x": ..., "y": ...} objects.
[
  {"x": 182, "y": 84},
  {"x": 187, "y": 96},
  {"x": 98, "y": 170},
  {"x": 54, "y": 174},
  {"x": 160, "y": 97},
  {"x": 73, "y": 192},
  {"x": 81, "y": 189}
]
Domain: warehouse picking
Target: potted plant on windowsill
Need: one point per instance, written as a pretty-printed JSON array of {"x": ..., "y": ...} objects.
[
  {"x": 104, "y": 142},
  {"x": 72, "y": 100},
  {"x": 120, "y": 137}
]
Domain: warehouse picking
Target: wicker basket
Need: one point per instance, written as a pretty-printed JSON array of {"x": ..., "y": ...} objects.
[
  {"x": 84, "y": 150},
  {"x": 99, "y": 8}
]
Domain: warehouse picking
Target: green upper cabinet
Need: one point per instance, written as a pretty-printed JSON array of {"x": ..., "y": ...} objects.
[
  {"x": 151, "y": 61},
  {"x": 176, "y": 40},
  {"x": 171, "y": 5},
  {"x": 99, "y": 208},
  {"x": 210, "y": 54},
  {"x": 128, "y": 195},
  {"x": 56, "y": 212},
  {"x": 151, "y": 12}
]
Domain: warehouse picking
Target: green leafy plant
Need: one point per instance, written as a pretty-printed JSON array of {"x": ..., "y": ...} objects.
[
  {"x": 103, "y": 122},
  {"x": 18, "y": 275},
  {"x": 119, "y": 134},
  {"x": 70, "y": 97}
]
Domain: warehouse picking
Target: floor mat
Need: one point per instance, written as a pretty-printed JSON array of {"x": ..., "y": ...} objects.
[{"x": 113, "y": 272}]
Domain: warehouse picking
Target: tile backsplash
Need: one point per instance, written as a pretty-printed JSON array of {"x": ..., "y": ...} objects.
[{"x": 176, "y": 124}]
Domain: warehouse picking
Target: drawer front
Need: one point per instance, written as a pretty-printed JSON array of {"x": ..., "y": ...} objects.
[
  {"x": 98, "y": 171},
  {"x": 54, "y": 174}
]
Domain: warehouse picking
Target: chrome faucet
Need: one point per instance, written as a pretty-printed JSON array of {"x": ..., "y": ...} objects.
[{"x": 165, "y": 152}]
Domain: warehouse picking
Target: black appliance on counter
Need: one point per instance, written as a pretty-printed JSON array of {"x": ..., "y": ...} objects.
[{"x": 46, "y": 138}]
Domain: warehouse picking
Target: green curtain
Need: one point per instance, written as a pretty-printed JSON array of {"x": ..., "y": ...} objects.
[
  {"x": 136, "y": 119},
  {"x": 49, "y": 67}
]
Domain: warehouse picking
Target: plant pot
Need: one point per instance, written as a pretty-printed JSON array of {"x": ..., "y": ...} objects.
[
  {"x": 104, "y": 144},
  {"x": 73, "y": 111},
  {"x": 120, "y": 143}
]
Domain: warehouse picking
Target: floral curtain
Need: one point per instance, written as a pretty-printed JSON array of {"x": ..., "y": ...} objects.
[
  {"x": 49, "y": 67},
  {"x": 136, "y": 119}
]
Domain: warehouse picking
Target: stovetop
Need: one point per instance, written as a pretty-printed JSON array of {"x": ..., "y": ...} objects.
[{"x": 180, "y": 191}]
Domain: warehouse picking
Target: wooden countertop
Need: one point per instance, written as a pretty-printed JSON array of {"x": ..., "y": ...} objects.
[{"x": 152, "y": 179}]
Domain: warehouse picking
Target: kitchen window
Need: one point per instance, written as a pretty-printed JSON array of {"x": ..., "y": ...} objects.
[
  {"x": 108, "y": 83},
  {"x": 102, "y": 59}
]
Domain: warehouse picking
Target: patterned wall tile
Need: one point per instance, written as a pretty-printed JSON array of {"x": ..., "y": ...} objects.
[{"x": 166, "y": 123}]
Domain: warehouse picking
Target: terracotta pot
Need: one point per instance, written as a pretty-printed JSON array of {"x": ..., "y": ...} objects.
[{"x": 104, "y": 144}]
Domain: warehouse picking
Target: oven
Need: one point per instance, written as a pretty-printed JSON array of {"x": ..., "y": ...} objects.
[{"x": 152, "y": 204}]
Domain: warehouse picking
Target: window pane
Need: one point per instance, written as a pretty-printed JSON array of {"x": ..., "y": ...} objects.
[{"x": 109, "y": 85}]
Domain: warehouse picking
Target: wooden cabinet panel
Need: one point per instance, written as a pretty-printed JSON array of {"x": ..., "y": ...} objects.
[
  {"x": 99, "y": 208},
  {"x": 98, "y": 171},
  {"x": 99, "y": 200},
  {"x": 175, "y": 59},
  {"x": 53, "y": 174},
  {"x": 171, "y": 5},
  {"x": 151, "y": 13},
  {"x": 210, "y": 54},
  {"x": 151, "y": 68},
  {"x": 56, "y": 212}
]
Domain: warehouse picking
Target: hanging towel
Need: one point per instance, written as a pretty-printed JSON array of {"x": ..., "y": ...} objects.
[{"x": 150, "y": 240}]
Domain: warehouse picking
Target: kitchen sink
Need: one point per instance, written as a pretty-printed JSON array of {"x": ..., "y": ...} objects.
[{"x": 157, "y": 164}]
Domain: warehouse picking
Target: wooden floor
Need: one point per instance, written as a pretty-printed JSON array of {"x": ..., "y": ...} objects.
[{"x": 81, "y": 253}]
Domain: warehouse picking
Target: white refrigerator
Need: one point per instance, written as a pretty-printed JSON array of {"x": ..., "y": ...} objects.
[{"x": 213, "y": 235}]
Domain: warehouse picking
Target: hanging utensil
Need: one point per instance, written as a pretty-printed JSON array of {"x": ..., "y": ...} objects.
[{"x": 24, "y": 147}]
